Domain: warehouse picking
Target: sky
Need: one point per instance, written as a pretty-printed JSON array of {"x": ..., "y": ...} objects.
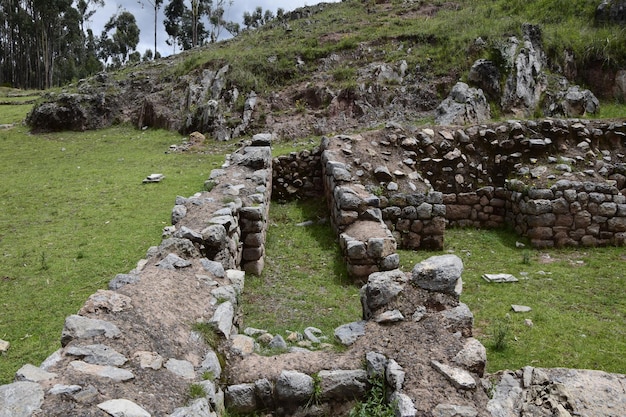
[{"x": 145, "y": 17}]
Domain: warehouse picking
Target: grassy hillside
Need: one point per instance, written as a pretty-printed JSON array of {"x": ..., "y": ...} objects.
[{"x": 436, "y": 38}]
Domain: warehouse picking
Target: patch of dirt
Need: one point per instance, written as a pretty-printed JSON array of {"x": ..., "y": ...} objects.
[{"x": 413, "y": 345}]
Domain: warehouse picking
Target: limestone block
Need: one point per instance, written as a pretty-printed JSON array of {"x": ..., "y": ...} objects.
[
  {"x": 438, "y": 273},
  {"x": 343, "y": 384},
  {"x": 294, "y": 387}
]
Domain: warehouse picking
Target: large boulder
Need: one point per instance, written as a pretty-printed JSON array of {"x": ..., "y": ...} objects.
[
  {"x": 73, "y": 112},
  {"x": 526, "y": 81},
  {"x": 485, "y": 75},
  {"x": 464, "y": 105}
]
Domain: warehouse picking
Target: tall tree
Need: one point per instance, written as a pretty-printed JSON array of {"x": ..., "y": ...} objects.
[
  {"x": 156, "y": 4},
  {"x": 123, "y": 39}
]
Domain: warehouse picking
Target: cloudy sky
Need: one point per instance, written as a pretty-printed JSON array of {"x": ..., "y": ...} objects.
[{"x": 145, "y": 17}]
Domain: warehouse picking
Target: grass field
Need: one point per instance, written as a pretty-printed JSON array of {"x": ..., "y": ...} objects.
[{"x": 73, "y": 214}]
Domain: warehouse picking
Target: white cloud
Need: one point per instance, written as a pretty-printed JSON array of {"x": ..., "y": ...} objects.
[{"x": 145, "y": 17}]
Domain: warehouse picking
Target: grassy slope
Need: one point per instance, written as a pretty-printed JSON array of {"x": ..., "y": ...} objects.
[{"x": 425, "y": 34}]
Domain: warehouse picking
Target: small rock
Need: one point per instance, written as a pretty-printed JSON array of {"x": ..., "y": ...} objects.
[
  {"x": 32, "y": 373},
  {"x": 499, "y": 278},
  {"x": 153, "y": 178},
  {"x": 123, "y": 408},
  {"x": 520, "y": 309},
  {"x": 460, "y": 378},
  {"x": 110, "y": 372},
  {"x": 348, "y": 333},
  {"x": 150, "y": 360},
  {"x": 392, "y": 316},
  {"x": 4, "y": 346},
  {"x": 278, "y": 342},
  {"x": 60, "y": 389},
  {"x": 312, "y": 334},
  {"x": 183, "y": 369},
  {"x": 528, "y": 322}
]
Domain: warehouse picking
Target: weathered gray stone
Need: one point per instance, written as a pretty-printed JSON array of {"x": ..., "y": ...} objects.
[
  {"x": 110, "y": 372},
  {"x": 460, "y": 378},
  {"x": 463, "y": 106},
  {"x": 151, "y": 360},
  {"x": 439, "y": 273},
  {"x": 403, "y": 405},
  {"x": 183, "y": 369},
  {"x": 381, "y": 289},
  {"x": 241, "y": 398},
  {"x": 211, "y": 364},
  {"x": 394, "y": 375},
  {"x": 123, "y": 408},
  {"x": 376, "y": 364},
  {"x": 278, "y": 342},
  {"x": 472, "y": 357},
  {"x": 178, "y": 213},
  {"x": 342, "y": 384},
  {"x": 459, "y": 318},
  {"x": 32, "y": 373},
  {"x": 78, "y": 327},
  {"x": 242, "y": 345},
  {"x": 20, "y": 399},
  {"x": 122, "y": 279},
  {"x": 347, "y": 334},
  {"x": 391, "y": 316},
  {"x": 214, "y": 267},
  {"x": 226, "y": 293},
  {"x": 198, "y": 408},
  {"x": 237, "y": 279},
  {"x": 173, "y": 262},
  {"x": 60, "y": 389},
  {"x": 222, "y": 319},
  {"x": 313, "y": 334},
  {"x": 294, "y": 387},
  {"x": 97, "y": 354}
]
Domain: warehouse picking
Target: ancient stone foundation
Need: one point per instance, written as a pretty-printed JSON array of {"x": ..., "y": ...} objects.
[{"x": 385, "y": 189}]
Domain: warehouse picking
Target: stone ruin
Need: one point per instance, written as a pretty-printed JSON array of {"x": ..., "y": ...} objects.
[{"x": 389, "y": 189}]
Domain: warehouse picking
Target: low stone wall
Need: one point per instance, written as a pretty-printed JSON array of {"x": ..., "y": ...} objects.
[
  {"x": 485, "y": 208},
  {"x": 481, "y": 176},
  {"x": 297, "y": 175},
  {"x": 137, "y": 348},
  {"x": 569, "y": 213}
]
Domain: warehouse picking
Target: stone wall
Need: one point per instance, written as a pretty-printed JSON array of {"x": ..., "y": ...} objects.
[
  {"x": 483, "y": 176},
  {"x": 137, "y": 348}
]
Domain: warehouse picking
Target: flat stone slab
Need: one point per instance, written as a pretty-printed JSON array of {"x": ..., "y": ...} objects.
[
  {"x": 33, "y": 373},
  {"x": 123, "y": 408},
  {"x": 4, "y": 345},
  {"x": 110, "y": 372},
  {"x": 20, "y": 399},
  {"x": 520, "y": 309},
  {"x": 499, "y": 278}
]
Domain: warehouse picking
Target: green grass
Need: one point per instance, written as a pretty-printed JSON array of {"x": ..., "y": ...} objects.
[
  {"x": 576, "y": 295},
  {"x": 427, "y": 31},
  {"x": 73, "y": 214},
  {"x": 304, "y": 282}
]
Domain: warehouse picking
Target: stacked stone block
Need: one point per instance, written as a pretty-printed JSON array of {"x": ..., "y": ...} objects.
[
  {"x": 417, "y": 219},
  {"x": 297, "y": 175},
  {"x": 569, "y": 213},
  {"x": 484, "y": 208}
]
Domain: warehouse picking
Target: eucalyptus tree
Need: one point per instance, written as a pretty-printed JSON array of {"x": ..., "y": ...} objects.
[
  {"x": 156, "y": 4},
  {"x": 119, "y": 38}
]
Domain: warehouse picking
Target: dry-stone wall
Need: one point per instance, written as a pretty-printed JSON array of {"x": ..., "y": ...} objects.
[
  {"x": 557, "y": 182},
  {"x": 136, "y": 348}
]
